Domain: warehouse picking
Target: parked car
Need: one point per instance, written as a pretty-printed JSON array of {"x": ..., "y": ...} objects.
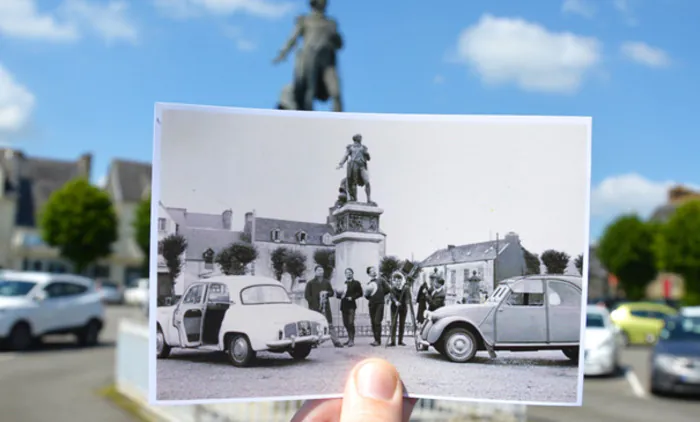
[
  {"x": 640, "y": 322},
  {"x": 528, "y": 313},
  {"x": 691, "y": 311},
  {"x": 675, "y": 359},
  {"x": 111, "y": 292},
  {"x": 602, "y": 343},
  {"x": 34, "y": 304},
  {"x": 138, "y": 294},
  {"x": 239, "y": 315}
]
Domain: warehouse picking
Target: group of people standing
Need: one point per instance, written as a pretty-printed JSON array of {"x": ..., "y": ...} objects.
[{"x": 319, "y": 291}]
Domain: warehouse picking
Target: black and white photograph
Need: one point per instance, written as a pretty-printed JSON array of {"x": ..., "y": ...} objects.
[{"x": 290, "y": 245}]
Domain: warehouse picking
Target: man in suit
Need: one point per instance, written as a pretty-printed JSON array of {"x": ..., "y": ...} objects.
[
  {"x": 436, "y": 294},
  {"x": 376, "y": 292},
  {"x": 400, "y": 301},
  {"x": 348, "y": 295},
  {"x": 317, "y": 294}
]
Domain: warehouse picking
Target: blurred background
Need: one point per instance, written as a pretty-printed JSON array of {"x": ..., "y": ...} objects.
[{"x": 79, "y": 79}]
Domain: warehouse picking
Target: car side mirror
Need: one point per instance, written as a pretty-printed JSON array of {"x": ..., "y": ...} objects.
[{"x": 40, "y": 296}]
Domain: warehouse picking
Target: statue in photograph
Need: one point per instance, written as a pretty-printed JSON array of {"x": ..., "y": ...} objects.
[
  {"x": 315, "y": 68},
  {"x": 355, "y": 160}
]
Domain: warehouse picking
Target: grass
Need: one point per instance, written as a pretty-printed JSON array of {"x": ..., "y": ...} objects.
[{"x": 125, "y": 403}]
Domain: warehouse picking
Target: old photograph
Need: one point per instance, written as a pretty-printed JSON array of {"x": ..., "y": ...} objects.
[{"x": 287, "y": 246}]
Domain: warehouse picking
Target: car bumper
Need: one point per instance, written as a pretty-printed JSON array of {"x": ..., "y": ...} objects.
[
  {"x": 599, "y": 362},
  {"x": 674, "y": 383},
  {"x": 291, "y": 342}
]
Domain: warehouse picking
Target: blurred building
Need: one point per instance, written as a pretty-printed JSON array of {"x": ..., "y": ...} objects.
[
  {"x": 598, "y": 280},
  {"x": 677, "y": 196}
]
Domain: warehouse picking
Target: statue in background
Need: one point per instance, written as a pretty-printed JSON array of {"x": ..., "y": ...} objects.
[
  {"x": 355, "y": 159},
  {"x": 315, "y": 67}
]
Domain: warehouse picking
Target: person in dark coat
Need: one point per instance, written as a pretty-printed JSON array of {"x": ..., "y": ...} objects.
[
  {"x": 422, "y": 300},
  {"x": 317, "y": 294},
  {"x": 375, "y": 293},
  {"x": 351, "y": 292},
  {"x": 400, "y": 301},
  {"x": 436, "y": 294}
]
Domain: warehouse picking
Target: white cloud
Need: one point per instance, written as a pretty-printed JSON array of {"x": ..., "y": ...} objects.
[
  {"x": 191, "y": 8},
  {"x": 23, "y": 19},
  {"x": 16, "y": 103},
  {"x": 583, "y": 8},
  {"x": 242, "y": 42},
  {"x": 629, "y": 193},
  {"x": 514, "y": 51},
  {"x": 645, "y": 54}
]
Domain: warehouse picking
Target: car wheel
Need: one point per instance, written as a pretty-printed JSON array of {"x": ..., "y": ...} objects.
[
  {"x": 90, "y": 334},
  {"x": 572, "y": 353},
  {"x": 459, "y": 345},
  {"x": 239, "y": 351},
  {"x": 300, "y": 352},
  {"x": 162, "y": 348},
  {"x": 20, "y": 337}
]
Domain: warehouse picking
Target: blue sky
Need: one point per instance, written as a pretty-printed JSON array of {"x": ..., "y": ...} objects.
[{"x": 83, "y": 75}]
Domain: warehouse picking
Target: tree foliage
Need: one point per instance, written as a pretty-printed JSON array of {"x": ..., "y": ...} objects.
[
  {"x": 234, "y": 258},
  {"x": 578, "y": 262},
  {"x": 288, "y": 260},
  {"x": 326, "y": 259},
  {"x": 80, "y": 221},
  {"x": 388, "y": 265},
  {"x": 142, "y": 231},
  {"x": 532, "y": 262},
  {"x": 278, "y": 258},
  {"x": 626, "y": 250},
  {"x": 555, "y": 261},
  {"x": 172, "y": 247},
  {"x": 677, "y": 248}
]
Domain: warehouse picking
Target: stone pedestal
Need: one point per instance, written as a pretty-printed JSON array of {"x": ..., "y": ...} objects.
[{"x": 359, "y": 243}]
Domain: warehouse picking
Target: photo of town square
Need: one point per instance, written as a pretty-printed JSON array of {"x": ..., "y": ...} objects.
[{"x": 400, "y": 235}]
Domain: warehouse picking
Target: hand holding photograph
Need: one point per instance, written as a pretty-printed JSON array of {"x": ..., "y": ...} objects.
[{"x": 281, "y": 260}]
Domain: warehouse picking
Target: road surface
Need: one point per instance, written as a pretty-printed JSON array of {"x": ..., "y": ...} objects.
[
  {"x": 61, "y": 382},
  {"x": 540, "y": 377}
]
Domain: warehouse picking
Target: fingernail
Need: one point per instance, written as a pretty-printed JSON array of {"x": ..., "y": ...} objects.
[{"x": 374, "y": 381}]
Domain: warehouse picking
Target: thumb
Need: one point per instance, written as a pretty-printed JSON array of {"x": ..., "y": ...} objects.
[{"x": 373, "y": 393}]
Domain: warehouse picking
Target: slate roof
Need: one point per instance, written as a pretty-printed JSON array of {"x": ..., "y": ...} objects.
[
  {"x": 289, "y": 229},
  {"x": 465, "y": 253},
  {"x": 663, "y": 213},
  {"x": 195, "y": 220},
  {"x": 131, "y": 178},
  {"x": 199, "y": 240}
]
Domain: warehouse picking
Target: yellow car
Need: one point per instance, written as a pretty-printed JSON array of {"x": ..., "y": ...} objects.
[{"x": 641, "y": 322}]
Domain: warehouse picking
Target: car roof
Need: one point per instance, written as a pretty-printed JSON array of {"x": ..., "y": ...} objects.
[
  {"x": 646, "y": 305},
  {"x": 240, "y": 282},
  {"x": 44, "y": 278},
  {"x": 576, "y": 280}
]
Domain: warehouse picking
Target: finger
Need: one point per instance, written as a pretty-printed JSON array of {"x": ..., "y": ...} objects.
[
  {"x": 373, "y": 393},
  {"x": 319, "y": 411}
]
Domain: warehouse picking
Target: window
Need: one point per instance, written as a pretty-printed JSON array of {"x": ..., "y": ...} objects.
[
  {"x": 218, "y": 293},
  {"x": 326, "y": 239},
  {"x": 264, "y": 294},
  {"x": 301, "y": 237},
  {"x": 527, "y": 292},
  {"x": 275, "y": 235},
  {"x": 639, "y": 313},
  {"x": 73, "y": 289},
  {"x": 12, "y": 288},
  {"x": 562, "y": 294},
  {"x": 595, "y": 320},
  {"x": 162, "y": 224},
  {"x": 194, "y": 294},
  {"x": 160, "y": 248}
]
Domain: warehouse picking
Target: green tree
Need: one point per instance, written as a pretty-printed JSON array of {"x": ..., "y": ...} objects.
[
  {"x": 326, "y": 259},
  {"x": 172, "y": 247},
  {"x": 234, "y": 258},
  {"x": 555, "y": 261},
  {"x": 142, "y": 230},
  {"x": 578, "y": 262},
  {"x": 295, "y": 263},
  {"x": 388, "y": 265},
  {"x": 532, "y": 262},
  {"x": 626, "y": 250},
  {"x": 79, "y": 220},
  {"x": 677, "y": 248}
]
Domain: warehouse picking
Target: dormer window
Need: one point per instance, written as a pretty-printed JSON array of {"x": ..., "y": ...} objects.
[
  {"x": 208, "y": 257},
  {"x": 301, "y": 237},
  {"x": 326, "y": 239},
  {"x": 275, "y": 235}
]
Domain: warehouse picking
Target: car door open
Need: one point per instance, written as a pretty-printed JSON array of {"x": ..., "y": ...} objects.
[{"x": 189, "y": 316}]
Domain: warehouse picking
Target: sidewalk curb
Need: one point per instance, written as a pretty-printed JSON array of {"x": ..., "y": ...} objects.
[{"x": 150, "y": 413}]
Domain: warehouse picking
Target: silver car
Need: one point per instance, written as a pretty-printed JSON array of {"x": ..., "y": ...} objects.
[{"x": 528, "y": 313}]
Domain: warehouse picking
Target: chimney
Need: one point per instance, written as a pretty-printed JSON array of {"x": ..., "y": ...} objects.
[
  {"x": 85, "y": 165},
  {"x": 248, "y": 222},
  {"x": 226, "y": 217},
  {"x": 450, "y": 247}
]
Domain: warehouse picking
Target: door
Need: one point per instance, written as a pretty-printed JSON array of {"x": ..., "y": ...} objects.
[
  {"x": 564, "y": 302},
  {"x": 521, "y": 316},
  {"x": 53, "y": 309},
  {"x": 189, "y": 316},
  {"x": 78, "y": 302}
]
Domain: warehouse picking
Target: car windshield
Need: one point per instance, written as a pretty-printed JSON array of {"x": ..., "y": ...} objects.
[
  {"x": 682, "y": 329},
  {"x": 264, "y": 294},
  {"x": 109, "y": 284},
  {"x": 497, "y": 295},
  {"x": 595, "y": 320},
  {"x": 9, "y": 288}
]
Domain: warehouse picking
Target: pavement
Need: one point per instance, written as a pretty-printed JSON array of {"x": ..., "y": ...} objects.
[
  {"x": 60, "y": 382},
  {"x": 622, "y": 398},
  {"x": 536, "y": 377}
]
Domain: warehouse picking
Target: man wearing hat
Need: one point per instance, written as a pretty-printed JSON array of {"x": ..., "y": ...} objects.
[{"x": 436, "y": 294}]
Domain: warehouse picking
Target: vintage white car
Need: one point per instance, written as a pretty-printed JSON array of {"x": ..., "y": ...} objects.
[{"x": 239, "y": 315}]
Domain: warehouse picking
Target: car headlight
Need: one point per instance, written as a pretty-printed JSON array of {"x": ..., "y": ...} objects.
[{"x": 670, "y": 362}]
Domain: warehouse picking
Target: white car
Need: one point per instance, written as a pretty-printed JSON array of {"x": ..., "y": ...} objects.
[
  {"x": 690, "y": 311},
  {"x": 602, "y": 343},
  {"x": 34, "y": 304},
  {"x": 239, "y": 315},
  {"x": 137, "y": 295}
]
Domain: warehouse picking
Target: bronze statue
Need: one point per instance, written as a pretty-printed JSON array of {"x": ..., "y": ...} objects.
[
  {"x": 356, "y": 156},
  {"x": 315, "y": 67}
]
